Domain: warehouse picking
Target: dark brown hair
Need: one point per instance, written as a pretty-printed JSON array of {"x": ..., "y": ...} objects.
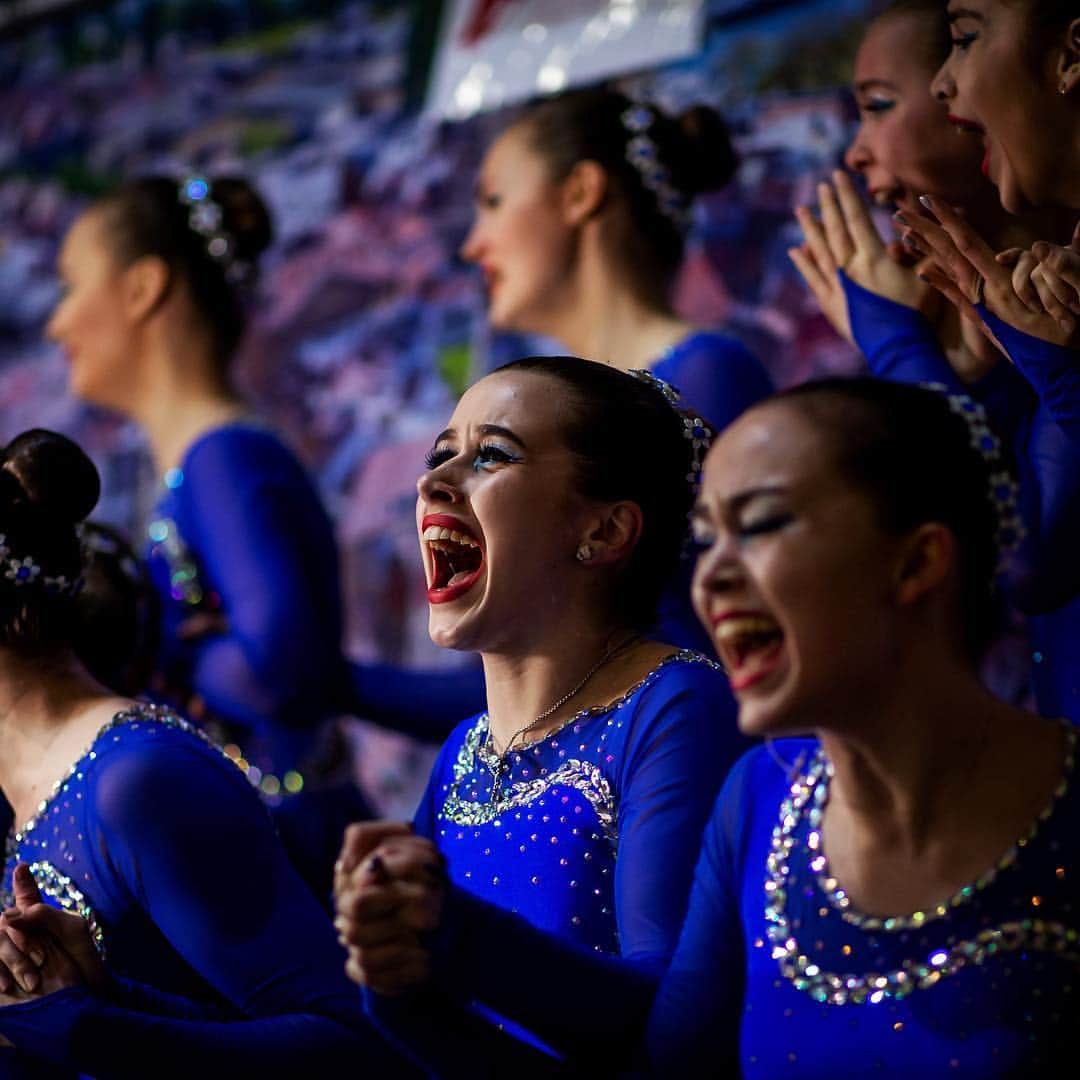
[
  {"x": 695, "y": 148},
  {"x": 146, "y": 217}
]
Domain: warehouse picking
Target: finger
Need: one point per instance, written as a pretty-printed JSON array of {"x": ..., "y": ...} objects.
[
  {"x": 808, "y": 269},
  {"x": 385, "y": 960},
  {"x": 28, "y": 944},
  {"x": 70, "y": 931},
  {"x": 938, "y": 245},
  {"x": 933, "y": 275},
  {"x": 1009, "y": 256},
  {"x": 816, "y": 243},
  {"x": 19, "y": 965},
  {"x": 24, "y": 887},
  {"x": 374, "y": 902},
  {"x": 968, "y": 242},
  {"x": 355, "y": 934},
  {"x": 362, "y": 838},
  {"x": 1022, "y": 283},
  {"x": 1065, "y": 263},
  {"x": 1063, "y": 293},
  {"x": 401, "y": 980},
  {"x": 1054, "y": 307},
  {"x": 836, "y": 231},
  {"x": 857, "y": 218}
]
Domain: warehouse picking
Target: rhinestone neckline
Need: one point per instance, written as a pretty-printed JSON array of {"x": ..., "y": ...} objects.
[
  {"x": 841, "y": 902},
  {"x": 835, "y": 988}
]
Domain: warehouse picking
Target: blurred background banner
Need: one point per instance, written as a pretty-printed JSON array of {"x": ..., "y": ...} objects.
[
  {"x": 493, "y": 53},
  {"x": 367, "y": 324}
]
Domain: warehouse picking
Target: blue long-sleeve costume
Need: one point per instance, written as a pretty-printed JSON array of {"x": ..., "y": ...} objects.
[
  {"x": 1035, "y": 406},
  {"x": 583, "y": 856},
  {"x": 718, "y": 378},
  {"x": 788, "y": 979},
  {"x": 221, "y": 960}
]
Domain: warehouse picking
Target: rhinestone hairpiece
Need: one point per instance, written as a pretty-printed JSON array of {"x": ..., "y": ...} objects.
[
  {"x": 207, "y": 219},
  {"x": 696, "y": 430},
  {"x": 1002, "y": 489},
  {"x": 25, "y": 571},
  {"x": 642, "y": 153}
]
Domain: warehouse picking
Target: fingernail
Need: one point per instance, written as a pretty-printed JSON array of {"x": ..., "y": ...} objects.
[
  {"x": 926, "y": 201},
  {"x": 1040, "y": 249},
  {"x": 898, "y": 216},
  {"x": 38, "y": 957},
  {"x": 376, "y": 866},
  {"x": 30, "y": 981}
]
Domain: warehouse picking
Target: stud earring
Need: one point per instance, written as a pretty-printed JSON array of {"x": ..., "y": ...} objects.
[{"x": 584, "y": 553}]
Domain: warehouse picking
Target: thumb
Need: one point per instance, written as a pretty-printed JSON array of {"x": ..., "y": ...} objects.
[
  {"x": 362, "y": 838},
  {"x": 25, "y": 888}
]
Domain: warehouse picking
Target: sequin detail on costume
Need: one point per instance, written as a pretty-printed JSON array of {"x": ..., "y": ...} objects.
[
  {"x": 38, "y": 854},
  {"x": 810, "y": 789}
]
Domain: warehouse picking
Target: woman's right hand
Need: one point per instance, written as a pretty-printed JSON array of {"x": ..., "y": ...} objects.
[
  {"x": 845, "y": 239},
  {"x": 389, "y": 891}
]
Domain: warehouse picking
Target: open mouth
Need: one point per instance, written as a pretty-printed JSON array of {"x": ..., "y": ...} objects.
[
  {"x": 968, "y": 126},
  {"x": 454, "y": 556},
  {"x": 750, "y": 647}
]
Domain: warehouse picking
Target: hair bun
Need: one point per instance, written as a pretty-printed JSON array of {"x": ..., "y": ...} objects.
[
  {"x": 246, "y": 217},
  {"x": 53, "y": 474},
  {"x": 707, "y": 159}
]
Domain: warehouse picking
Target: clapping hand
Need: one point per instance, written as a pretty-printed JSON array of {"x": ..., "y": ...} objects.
[
  {"x": 845, "y": 239},
  {"x": 389, "y": 887},
  {"x": 1047, "y": 278},
  {"x": 43, "y": 949},
  {"x": 967, "y": 272}
]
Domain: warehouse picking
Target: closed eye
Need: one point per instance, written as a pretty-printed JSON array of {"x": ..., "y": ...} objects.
[{"x": 771, "y": 523}]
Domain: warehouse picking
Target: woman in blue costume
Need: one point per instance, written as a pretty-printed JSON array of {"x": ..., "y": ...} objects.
[
  {"x": 241, "y": 550},
  {"x": 582, "y": 207},
  {"x": 906, "y": 146},
  {"x": 570, "y": 812},
  {"x": 130, "y": 818},
  {"x": 898, "y": 894}
]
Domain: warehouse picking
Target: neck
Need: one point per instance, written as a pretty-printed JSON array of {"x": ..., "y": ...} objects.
[
  {"x": 522, "y": 684},
  {"x": 179, "y": 395},
  {"x": 38, "y": 701},
  {"x": 902, "y": 757},
  {"x": 600, "y": 316}
]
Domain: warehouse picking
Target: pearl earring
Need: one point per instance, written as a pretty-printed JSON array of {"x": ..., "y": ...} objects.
[{"x": 584, "y": 553}]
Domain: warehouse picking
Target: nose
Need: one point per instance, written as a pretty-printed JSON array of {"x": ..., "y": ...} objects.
[
  {"x": 718, "y": 568},
  {"x": 437, "y": 486},
  {"x": 943, "y": 86},
  {"x": 472, "y": 247},
  {"x": 857, "y": 156}
]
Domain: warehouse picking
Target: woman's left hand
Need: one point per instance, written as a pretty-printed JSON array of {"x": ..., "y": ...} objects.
[{"x": 967, "y": 272}]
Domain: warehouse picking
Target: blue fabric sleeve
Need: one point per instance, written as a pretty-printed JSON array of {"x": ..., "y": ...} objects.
[
  {"x": 424, "y": 704},
  {"x": 898, "y": 342},
  {"x": 718, "y": 376},
  {"x": 266, "y": 544},
  {"x": 684, "y": 741},
  {"x": 695, "y": 1016},
  {"x": 1054, "y": 371},
  {"x": 190, "y": 840}
]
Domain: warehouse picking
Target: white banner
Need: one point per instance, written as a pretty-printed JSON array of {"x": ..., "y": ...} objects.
[{"x": 498, "y": 52}]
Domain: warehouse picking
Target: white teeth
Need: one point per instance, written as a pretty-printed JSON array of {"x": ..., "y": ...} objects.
[
  {"x": 742, "y": 626},
  {"x": 437, "y": 532}
]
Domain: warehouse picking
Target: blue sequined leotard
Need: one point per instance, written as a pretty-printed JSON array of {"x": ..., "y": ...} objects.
[
  {"x": 588, "y": 842},
  {"x": 777, "y": 974},
  {"x": 220, "y": 958}
]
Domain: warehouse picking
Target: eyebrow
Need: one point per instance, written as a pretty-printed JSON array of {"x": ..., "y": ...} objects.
[
  {"x": 965, "y": 13},
  {"x": 869, "y": 84},
  {"x": 484, "y": 429}
]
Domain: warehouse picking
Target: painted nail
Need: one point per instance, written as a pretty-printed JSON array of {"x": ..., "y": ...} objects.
[
  {"x": 926, "y": 201},
  {"x": 38, "y": 957},
  {"x": 30, "y": 981}
]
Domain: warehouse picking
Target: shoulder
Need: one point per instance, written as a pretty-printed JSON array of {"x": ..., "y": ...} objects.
[
  {"x": 241, "y": 446},
  {"x": 150, "y": 759},
  {"x": 708, "y": 348},
  {"x": 687, "y": 677}
]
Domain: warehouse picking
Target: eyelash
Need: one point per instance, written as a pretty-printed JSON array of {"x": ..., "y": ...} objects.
[
  {"x": 879, "y": 106},
  {"x": 489, "y": 202},
  {"x": 963, "y": 41},
  {"x": 764, "y": 525},
  {"x": 485, "y": 453}
]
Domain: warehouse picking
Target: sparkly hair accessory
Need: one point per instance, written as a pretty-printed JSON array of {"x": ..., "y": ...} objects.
[
  {"x": 207, "y": 219},
  {"x": 1002, "y": 489},
  {"x": 643, "y": 154},
  {"x": 25, "y": 571},
  {"x": 696, "y": 430}
]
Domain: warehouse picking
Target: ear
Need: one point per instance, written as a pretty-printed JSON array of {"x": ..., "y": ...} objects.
[
  {"x": 1068, "y": 63},
  {"x": 927, "y": 558},
  {"x": 144, "y": 285},
  {"x": 613, "y": 534},
  {"x": 583, "y": 193}
]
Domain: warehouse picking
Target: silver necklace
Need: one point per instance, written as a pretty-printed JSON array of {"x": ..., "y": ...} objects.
[{"x": 502, "y": 759}]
